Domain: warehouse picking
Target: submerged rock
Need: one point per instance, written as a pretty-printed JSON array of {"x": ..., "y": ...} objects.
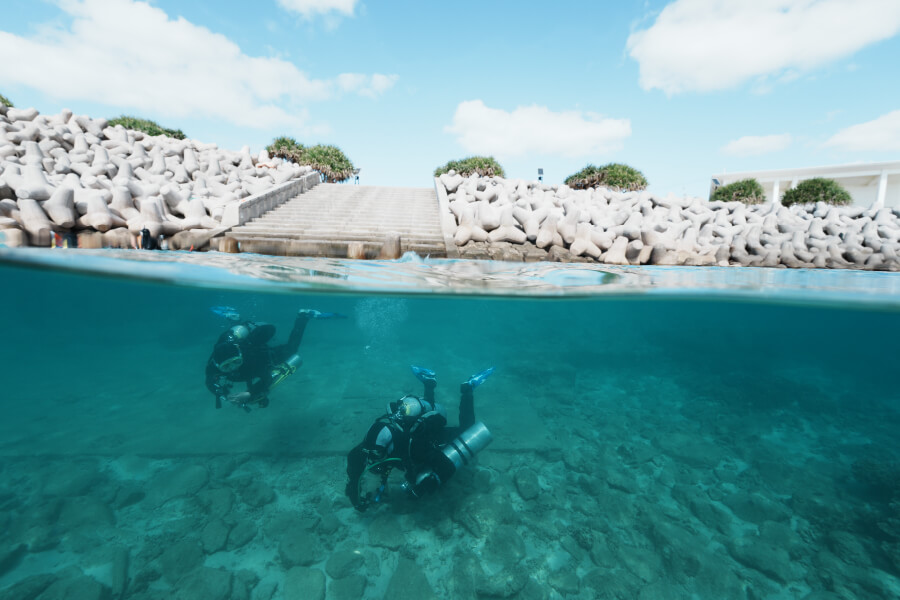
[
  {"x": 527, "y": 484},
  {"x": 504, "y": 546},
  {"x": 344, "y": 563},
  {"x": 409, "y": 583},
  {"x": 298, "y": 547},
  {"x": 77, "y": 587},
  {"x": 756, "y": 508},
  {"x": 385, "y": 532},
  {"x": 206, "y": 583},
  {"x": 183, "y": 480},
  {"x": 302, "y": 583},
  {"x": 28, "y": 588},
  {"x": 769, "y": 560},
  {"x": 180, "y": 559},
  {"x": 214, "y": 536},
  {"x": 348, "y": 588},
  {"x": 241, "y": 534}
]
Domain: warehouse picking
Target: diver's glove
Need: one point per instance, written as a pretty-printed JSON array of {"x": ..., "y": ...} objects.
[
  {"x": 352, "y": 492},
  {"x": 315, "y": 314}
]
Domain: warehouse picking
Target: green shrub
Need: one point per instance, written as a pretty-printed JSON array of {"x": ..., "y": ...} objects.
[
  {"x": 5, "y": 101},
  {"x": 613, "y": 175},
  {"x": 286, "y": 148},
  {"x": 147, "y": 126},
  {"x": 485, "y": 166},
  {"x": 328, "y": 160},
  {"x": 748, "y": 191},
  {"x": 817, "y": 189}
]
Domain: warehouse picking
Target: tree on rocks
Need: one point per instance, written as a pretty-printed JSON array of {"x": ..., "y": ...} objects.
[
  {"x": 484, "y": 166},
  {"x": 147, "y": 126},
  {"x": 5, "y": 101},
  {"x": 285, "y": 147},
  {"x": 613, "y": 175},
  {"x": 748, "y": 191},
  {"x": 817, "y": 189},
  {"x": 328, "y": 160}
]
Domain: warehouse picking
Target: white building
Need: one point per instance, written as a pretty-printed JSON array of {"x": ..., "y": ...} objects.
[{"x": 870, "y": 184}]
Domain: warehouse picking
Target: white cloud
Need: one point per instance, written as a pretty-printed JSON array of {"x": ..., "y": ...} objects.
[
  {"x": 755, "y": 145},
  {"x": 370, "y": 86},
  {"x": 704, "y": 45},
  {"x": 879, "y": 135},
  {"x": 132, "y": 56},
  {"x": 310, "y": 8},
  {"x": 535, "y": 130}
]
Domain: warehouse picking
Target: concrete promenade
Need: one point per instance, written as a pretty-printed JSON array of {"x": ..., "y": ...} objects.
[{"x": 336, "y": 219}]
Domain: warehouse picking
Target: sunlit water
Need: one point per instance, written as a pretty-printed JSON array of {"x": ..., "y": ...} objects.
[{"x": 658, "y": 433}]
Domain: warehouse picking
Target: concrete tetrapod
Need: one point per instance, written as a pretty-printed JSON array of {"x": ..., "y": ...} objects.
[{"x": 60, "y": 207}]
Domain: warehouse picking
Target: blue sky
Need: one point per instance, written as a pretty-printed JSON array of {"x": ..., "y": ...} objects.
[{"x": 680, "y": 89}]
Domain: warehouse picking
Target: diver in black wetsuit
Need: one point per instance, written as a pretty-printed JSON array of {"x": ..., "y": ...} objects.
[
  {"x": 413, "y": 436},
  {"x": 242, "y": 353},
  {"x": 147, "y": 241}
]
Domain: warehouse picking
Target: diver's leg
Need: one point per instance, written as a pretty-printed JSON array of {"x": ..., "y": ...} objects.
[
  {"x": 279, "y": 354},
  {"x": 293, "y": 343},
  {"x": 467, "y": 398},
  {"x": 466, "y": 406},
  {"x": 426, "y": 376}
]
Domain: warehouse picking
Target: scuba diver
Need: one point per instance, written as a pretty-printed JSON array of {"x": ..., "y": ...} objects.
[
  {"x": 242, "y": 353},
  {"x": 413, "y": 437}
]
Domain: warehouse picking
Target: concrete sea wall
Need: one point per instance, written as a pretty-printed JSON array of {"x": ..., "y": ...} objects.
[
  {"x": 73, "y": 174},
  {"x": 510, "y": 219}
]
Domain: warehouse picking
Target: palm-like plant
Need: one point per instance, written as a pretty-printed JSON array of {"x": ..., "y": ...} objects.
[
  {"x": 485, "y": 166},
  {"x": 286, "y": 148},
  {"x": 328, "y": 160},
  {"x": 147, "y": 126},
  {"x": 613, "y": 175}
]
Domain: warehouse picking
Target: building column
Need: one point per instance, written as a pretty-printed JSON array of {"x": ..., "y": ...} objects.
[
  {"x": 776, "y": 193},
  {"x": 882, "y": 191}
]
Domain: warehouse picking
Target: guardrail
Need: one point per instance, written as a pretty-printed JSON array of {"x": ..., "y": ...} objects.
[{"x": 239, "y": 213}]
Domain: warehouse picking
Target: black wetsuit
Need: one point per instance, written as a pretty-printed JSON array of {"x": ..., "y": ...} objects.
[
  {"x": 258, "y": 361},
  {"x": 416, "y": 443},
  {"x": 148, "y": 242}
]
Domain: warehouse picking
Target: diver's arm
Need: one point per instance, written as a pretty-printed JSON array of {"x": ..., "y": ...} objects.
[
  {"x": 216, "y": 383},
  {"x": 356, "y": 466},
  {"x": 258, "y": 390}
]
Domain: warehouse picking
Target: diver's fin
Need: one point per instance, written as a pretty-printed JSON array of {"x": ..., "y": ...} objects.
[
  {"x": 315, "y": 314},
  {"x": 422, "y": 374},
  {"x": 475, "y": 380}
]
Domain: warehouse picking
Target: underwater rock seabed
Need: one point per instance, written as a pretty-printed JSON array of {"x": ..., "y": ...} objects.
[{"x": 680, "y": 446}]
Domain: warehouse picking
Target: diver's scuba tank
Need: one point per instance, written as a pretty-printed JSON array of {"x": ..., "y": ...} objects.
[
  {"x": 460, "y": 451},
  {"x": 288, "y": 367}
]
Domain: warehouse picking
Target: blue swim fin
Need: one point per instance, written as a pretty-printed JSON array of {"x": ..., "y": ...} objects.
[
  {"x": 422, "y": 374},
  {"x": 315, "y": 314},
  {"x": 478, "y": 379}
]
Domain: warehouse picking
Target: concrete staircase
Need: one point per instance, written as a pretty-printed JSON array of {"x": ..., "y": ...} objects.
[{"x": 331, "y": 217}]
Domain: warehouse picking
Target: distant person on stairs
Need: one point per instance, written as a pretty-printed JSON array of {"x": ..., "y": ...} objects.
[
  {"x": 242, "y": 353},
  {"x": 413, "y": 436}
]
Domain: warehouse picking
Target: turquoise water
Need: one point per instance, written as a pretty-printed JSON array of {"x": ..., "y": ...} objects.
[{"x": 658, "y": 433}]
